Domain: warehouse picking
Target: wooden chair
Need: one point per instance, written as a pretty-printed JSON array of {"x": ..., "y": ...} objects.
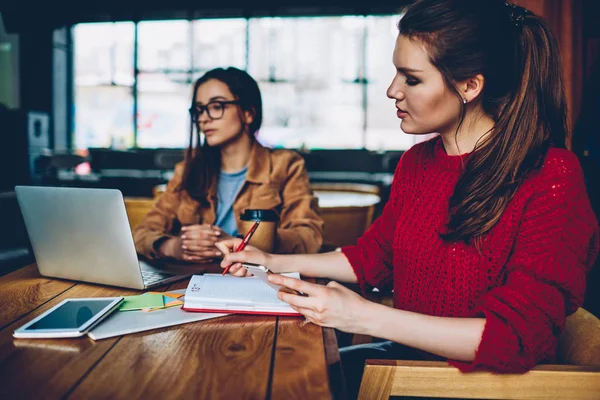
[
  {"x": 137, "y": 208},
  {"x": 576, "y": 377},
  {"x": 347, "y": 209}
]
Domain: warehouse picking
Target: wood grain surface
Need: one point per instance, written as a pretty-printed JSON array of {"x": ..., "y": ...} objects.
[
  {"x": 299, "y": 361},
  {"x": 24, "y": 290},
  {"x": 233, "y": 357},
  {"x": 224, "y": 358}
]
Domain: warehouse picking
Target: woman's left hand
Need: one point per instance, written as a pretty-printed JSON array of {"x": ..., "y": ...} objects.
[
  {"x": 198, "y": 242},
  {"x": 332, "y": 306}
]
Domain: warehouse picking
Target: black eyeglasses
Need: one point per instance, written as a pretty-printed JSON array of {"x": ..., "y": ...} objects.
[{"x": 214, "y": 109}]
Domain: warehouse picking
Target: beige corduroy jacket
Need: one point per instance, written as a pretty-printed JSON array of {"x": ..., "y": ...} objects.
[{"x": 276, "y": 179}]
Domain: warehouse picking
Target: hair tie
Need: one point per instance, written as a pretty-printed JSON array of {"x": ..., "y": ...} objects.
[{"x": 517, "y": 14}]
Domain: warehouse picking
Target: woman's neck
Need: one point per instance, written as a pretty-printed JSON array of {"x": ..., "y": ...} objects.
[
  {"x": 235, "y": 155},
  {"x": 474, "y": 128}
]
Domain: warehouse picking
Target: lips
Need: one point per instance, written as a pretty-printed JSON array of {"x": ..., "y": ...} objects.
[
  {"x": 401, "y": 113},
  {"x": 209, "y": 131}
]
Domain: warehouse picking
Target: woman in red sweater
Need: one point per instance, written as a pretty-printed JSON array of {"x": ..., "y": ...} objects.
[{"x": 488, "y": 233}]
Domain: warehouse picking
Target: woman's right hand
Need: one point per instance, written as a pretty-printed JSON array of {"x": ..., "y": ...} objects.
[
  {"x": 234, "y": 259},
  {"x": 171, "y": 248}
]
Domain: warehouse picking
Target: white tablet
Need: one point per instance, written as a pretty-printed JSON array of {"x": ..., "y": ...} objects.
[{"x": 69, "y": 318}]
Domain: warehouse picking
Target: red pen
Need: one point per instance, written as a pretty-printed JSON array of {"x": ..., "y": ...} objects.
[{"x": 245, "y": 241}]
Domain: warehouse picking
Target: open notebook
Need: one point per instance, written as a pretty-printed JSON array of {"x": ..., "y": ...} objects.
[{"x": 229, "y": 294}]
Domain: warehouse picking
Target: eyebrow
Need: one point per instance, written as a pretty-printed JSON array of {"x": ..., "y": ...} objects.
[
  {"x": 404, "y": 69},
  {"x": 214, "y": 98}
]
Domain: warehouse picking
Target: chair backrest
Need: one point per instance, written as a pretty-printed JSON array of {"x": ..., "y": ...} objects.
[
  {"x": 137, "y": 208},
  {"x": 347, "y": 209},
  {"x": 579, "y": 344},
  {"x": 578, "y": 377}
]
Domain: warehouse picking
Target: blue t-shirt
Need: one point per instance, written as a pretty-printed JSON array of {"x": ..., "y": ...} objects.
[{"x": 228, "y": 187}]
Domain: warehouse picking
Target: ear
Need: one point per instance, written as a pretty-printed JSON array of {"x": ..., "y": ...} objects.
[
  {"x": 249, "y": 116},
  {"x": 471, "y": 88}
]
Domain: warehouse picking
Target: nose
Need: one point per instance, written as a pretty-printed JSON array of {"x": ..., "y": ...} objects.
[
  {"x": 394, "y": 91},
  {"x": 202, "y": 116}
]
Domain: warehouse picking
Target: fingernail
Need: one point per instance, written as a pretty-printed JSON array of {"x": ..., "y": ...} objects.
[
  {"x": 183, "y": 237},
  {"x": 217, "y": 253},
  {"x": 217, "y": 233},
  {"x": 184, "y": 247}
]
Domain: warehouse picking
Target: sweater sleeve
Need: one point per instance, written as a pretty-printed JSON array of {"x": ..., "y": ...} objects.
[
  {"x": 556, "y": 245},
  {"x": 372, "y": 257}
]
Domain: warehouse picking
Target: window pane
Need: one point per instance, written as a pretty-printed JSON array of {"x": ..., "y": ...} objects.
[
  {"x": 164, "y": 45},
  {"x": 219, "y": 43},
  {"x": 103, "y": 117},
  {"x": 383, "y": 126},
  {"x": 163, "y": 103},
  {"x": 307, "y": 69},
  {"x": 103, "y": 53}
]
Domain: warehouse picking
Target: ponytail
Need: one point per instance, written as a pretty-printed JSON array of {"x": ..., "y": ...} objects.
[{"x": 532, "y": 119}]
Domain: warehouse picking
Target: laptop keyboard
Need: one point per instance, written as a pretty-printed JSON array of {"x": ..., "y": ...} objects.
[{"x": 150, "y": 277}]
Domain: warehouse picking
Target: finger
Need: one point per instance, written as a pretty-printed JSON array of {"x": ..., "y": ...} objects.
[
  {"x": 198, "y": 244},
  {"x": 200, "y": 227},
  {"x": 309, "y": 314},
  {"x": 222, "y": 246},
  {"x": 200, "y": 234},
  {"x": 297, "y": 300},
  {"x": 311, "y": 289},
  {"x": 201, "y": 253},
  {"x": 235, "y": 268},
  {"x": 186, "y": 228},
  {"x": 238, "y": 257},
  {"x": 229, "y": 245},
  {"x": 218, "y": 231},
  {"x": 197, "y": 259},
  {"x": 241, "y": 272}
]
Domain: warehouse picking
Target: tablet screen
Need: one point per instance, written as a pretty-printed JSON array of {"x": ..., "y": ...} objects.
[{"x": 71, "y": 315}]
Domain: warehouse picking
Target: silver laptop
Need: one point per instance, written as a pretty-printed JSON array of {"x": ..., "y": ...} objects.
[{"x": 84, "y": 235}]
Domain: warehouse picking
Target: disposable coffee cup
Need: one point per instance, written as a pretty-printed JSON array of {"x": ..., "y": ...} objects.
[{"x": 266, "y": 232}]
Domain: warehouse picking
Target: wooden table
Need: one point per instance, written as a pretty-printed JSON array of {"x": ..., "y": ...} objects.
[{"x": 233, "y": 357}]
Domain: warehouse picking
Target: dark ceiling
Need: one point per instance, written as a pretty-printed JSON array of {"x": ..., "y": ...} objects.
[
  {"x": 22, "y": 15},
  {"x": 25, "y": 14}
]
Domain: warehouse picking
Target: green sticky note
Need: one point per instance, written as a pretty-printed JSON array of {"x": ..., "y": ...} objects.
[{"x": 146, "y": 300}]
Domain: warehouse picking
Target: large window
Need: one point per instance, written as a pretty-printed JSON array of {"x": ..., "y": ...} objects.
[
  {"x": 323, "y": 79},
  {"x": 104, "y": 79}
]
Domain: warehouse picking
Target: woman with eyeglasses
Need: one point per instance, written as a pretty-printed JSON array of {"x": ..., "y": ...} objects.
[
  {"x": 488, "y": 232},
  {"x": 224, "y": 174}
]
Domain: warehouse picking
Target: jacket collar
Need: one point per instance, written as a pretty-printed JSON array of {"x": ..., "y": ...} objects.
[{"x": 259, "y": 167}]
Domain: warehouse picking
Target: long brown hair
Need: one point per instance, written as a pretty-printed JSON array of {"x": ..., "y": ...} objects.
[
  {"x": 203, "y": 162},
  {"x": 518, "y": 57}
]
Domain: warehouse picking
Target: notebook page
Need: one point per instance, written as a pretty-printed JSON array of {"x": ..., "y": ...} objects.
[{"x": 217, "y": 288}]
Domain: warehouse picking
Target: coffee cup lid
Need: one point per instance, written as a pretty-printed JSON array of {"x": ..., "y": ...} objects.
[{"x": 259, "y": 215}]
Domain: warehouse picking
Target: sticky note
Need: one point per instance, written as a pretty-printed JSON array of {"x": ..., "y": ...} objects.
[
  {"x": 146, "y": 300},
  {"x": 169, "y": 301}
]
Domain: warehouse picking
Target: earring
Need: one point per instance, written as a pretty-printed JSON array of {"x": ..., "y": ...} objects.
[{"x": 464, "y": 101}]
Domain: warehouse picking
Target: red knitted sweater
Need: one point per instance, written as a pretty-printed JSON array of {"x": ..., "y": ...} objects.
[{"x": 529, "y": 274}]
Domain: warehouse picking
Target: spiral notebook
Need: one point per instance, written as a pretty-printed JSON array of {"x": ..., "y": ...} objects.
[{"x": 215, "y": 293}]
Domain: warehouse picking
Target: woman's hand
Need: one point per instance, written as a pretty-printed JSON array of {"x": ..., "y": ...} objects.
[
  {"x": 332, "y": 306},
  {"x": 198, "y": 242},
  {"x": 234, "y": 259},
  {"x": 171, "y": 248}
]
